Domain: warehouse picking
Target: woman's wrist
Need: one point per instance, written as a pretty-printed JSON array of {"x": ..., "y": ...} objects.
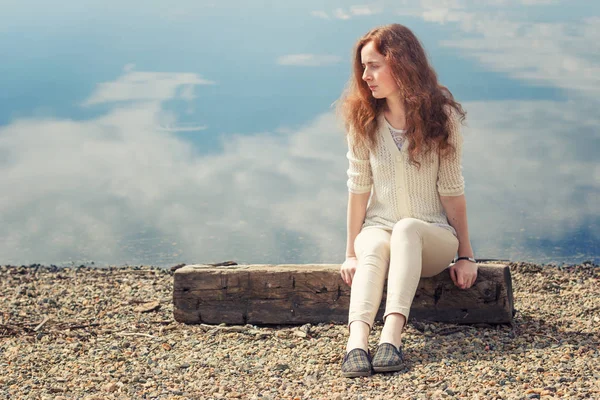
[{"x": 471, "y": 259}]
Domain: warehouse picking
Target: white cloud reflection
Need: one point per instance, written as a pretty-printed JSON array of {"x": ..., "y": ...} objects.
[
  {"x": 308, "y": 60},
  {"x": 340, "y": 13},
  {"x": 349, "y": 13},
  {"x": 182, "y": 128},
  {"x": 109, "y": 187},
  {"x": 320, "y": 14},
  {"x": 365, "y": 10},
  {"x": 146, "y": 86},
  {"x": 557, "y": 54},
  {"x": 97, "y": 189}
]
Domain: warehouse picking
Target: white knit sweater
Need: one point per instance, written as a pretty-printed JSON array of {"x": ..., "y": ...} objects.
[{"x": 398, "y": 189}]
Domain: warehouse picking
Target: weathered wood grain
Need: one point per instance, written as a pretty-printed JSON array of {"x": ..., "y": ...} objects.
[{"x": 303, "y": 293}]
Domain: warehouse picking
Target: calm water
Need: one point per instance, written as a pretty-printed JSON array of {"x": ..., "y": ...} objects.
[{"x": 203, "y": 131}]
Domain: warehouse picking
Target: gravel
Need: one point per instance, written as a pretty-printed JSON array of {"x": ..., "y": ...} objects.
[{"x": 109, "y": 333}]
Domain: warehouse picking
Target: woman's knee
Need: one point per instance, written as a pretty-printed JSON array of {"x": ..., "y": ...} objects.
[
  {"x": 407, "y": 227},
  {"x": 376, "y": 252},
  {"x": 372, "y": 243}
]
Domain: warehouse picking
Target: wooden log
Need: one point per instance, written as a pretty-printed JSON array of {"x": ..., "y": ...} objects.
[{"x": 314, "y": 293}]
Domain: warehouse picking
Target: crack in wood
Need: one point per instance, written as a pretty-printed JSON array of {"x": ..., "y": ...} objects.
[
  {"x": 437, "y": 295},
  {"x": 498, "y": 290},
  {"x": 199, "y": 313}
]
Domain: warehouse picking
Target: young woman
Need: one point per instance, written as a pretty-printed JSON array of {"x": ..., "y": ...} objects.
[{"x": 407, "y": 213}]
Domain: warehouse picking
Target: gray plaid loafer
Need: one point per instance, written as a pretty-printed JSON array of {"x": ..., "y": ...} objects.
[
  {"x": 388, "y": 358},
  {"x": 357, "y": 362}
]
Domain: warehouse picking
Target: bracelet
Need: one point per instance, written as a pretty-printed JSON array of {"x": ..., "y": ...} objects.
[{"x": 466, "y": 258}]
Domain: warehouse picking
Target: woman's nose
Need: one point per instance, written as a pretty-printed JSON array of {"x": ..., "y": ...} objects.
[{"x": 366, "y": 76}]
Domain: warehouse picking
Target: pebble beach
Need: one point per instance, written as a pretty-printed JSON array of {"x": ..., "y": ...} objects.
[{"x": 109, "y": 333}]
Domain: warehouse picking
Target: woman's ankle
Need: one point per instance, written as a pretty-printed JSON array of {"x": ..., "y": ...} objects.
[
  {"x": 359, "y": 336},
  {"x": 357, "y": 344},
  {"x": 396, "y": 341},
  {"x": 392, "y": 329}
]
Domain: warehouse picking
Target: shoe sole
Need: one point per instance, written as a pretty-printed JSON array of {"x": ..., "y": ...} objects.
[
  {"x": 389, "y": 368},
  {"x": 356, "y": 374}
]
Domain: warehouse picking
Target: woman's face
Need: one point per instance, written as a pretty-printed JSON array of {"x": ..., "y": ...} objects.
[{"x": 377, "y": 73}]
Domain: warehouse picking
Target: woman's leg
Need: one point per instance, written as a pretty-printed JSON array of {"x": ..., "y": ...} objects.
[
  {"x": 418, "y": 249},
  {"x": 372, "y": 247}
]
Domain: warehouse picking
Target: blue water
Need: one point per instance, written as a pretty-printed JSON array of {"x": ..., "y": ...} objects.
[{"x": 204, "y": 131}]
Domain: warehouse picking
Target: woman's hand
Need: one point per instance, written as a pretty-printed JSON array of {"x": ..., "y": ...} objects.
[
  {"x": 348, "y": 269},
  {"x": 463, "y": 273}
]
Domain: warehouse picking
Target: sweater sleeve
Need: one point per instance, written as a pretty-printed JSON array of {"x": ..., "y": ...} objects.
[
  {"x": 360, "y": 178},
  {"x": 450, "y": 179}
]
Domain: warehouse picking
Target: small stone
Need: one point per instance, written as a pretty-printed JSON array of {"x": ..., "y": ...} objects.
[
  {"x": 147, "y": 307},
  {"x": 533, "y": 396},
  {"x": 306, "y": 328},
  {"x": 110, "y": 387},
  {"x": 282, "y": 367}
]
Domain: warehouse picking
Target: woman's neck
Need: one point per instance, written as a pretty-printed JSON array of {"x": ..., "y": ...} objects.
[{"x": 395, "y": 113}]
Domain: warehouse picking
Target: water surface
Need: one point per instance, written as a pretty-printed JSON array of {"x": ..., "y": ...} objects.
[{"x": 203, "y": 131}]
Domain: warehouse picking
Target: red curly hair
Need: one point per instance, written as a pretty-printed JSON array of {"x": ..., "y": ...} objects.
[{"x": 428, "y": 105}]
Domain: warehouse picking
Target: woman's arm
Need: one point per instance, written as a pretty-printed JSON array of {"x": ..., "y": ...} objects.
[
  {"x": 456, "y": 211},
  {"x": 451, "y": 189},
  {"x": 464, "y": 272},
  {"x": 357, "y": 209},
  {"x": 360, "y": 182}
]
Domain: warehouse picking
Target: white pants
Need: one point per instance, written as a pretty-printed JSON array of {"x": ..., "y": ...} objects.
[{"x": 413, "y": 249}]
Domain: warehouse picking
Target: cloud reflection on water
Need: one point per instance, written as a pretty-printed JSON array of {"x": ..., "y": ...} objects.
[
  {"x": 86, "y": 188},
  {"x": 122, "y": 188}
]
